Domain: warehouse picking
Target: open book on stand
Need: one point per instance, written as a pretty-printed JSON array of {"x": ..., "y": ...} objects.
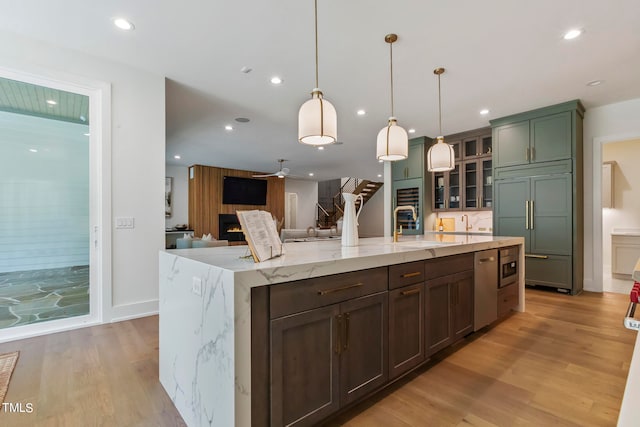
[{"x": 261, "y": 234}]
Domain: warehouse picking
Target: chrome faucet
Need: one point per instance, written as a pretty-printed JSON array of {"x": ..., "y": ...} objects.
[
  {"x": 395, "y": 219},
  {"x": 465, "y": 219}
]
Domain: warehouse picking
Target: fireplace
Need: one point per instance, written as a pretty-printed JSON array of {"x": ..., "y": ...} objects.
[{"x": 229, "y": 228}]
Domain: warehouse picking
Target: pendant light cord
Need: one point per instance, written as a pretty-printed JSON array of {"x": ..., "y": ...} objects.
[
  {"x": 439, "y": 106},
  {"x": 391, "y": 62},
  {"x": 316, "y": 25}
]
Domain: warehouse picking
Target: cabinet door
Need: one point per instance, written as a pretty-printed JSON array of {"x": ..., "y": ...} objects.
[
  {"x": 437, "y": 307},
  {"x": 399, "y": 169},
  {"x": 551, "y": 219},
  {"x": 415, "y": 162},
  {"x": 509, "y": 217},
  {"x": 472, "y": 187},
  {"x": 486, "y": 177},
  {"x": 511, "y": 144},
  {"x": 406, "y": 329},
  {"x": 409, "y": 192},
  {"x": 363, "y": 358},
  {"x": 304, "y": 367},
  {"x": 462, "y": 308},
  {"x": 551, "y": 138},
  {"x": 440, "y": 190}
]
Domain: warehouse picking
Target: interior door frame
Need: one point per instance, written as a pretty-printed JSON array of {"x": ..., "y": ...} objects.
[
  {"x": 598, "y": 144},
  {"x": 99, "y": 94}
]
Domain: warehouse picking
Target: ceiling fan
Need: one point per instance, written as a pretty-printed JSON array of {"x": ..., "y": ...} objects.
[{"x": 280, "y": 174}]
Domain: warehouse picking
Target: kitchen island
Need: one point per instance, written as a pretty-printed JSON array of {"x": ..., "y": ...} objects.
[
  {"x": 629, "y": 410},
  {"x": 207, "y": 300}
]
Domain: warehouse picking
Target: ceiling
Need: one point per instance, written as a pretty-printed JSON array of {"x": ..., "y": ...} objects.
[{"x": 507, "y": 56}]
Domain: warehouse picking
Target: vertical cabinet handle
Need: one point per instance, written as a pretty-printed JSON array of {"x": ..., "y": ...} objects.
[
  {"x": 526, "y": 214},
  {"x": 338, "y": 333},
  {"x": 531, "y": 216},
  {"x": 345, "y": 345}
]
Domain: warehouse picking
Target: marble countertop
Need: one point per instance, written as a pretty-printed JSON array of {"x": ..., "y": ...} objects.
[
  {"x": 303, "y": 260},
  {"x": 625, "y": 232}
]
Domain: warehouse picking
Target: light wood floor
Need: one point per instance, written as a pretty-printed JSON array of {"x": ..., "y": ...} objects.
[{"x": 563, "y": 362}]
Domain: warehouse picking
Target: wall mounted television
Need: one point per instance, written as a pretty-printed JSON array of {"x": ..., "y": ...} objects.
[{"x": 244, "y": 191}]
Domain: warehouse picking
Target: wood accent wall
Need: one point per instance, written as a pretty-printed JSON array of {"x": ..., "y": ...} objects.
[{"x": 205, "y": 197}]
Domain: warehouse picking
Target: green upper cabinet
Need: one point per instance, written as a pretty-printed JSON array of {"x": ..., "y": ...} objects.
[
  {"x": 412, "y": 166},
  {"x": 543, "y": 135},
  {"x": 511, "y": 144},
  {"x": 550, "y": 138}
]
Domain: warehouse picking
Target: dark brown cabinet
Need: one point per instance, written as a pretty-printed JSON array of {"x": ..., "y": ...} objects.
[
  {"x": 448, "y": 301},
  {"x": 406, "y": 329},
  {"x": 326, "y": 357}
]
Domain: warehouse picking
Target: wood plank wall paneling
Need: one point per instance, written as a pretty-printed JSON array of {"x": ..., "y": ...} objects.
[{"x": 205, "y": 197}]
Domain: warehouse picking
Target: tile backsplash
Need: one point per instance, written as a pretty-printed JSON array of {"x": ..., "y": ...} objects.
[{"x": 479, "y": 222}]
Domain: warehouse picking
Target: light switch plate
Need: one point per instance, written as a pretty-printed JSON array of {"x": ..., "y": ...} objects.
[
  {"x": 125, "y": 222},
  {"x": 196, "y": 286}
]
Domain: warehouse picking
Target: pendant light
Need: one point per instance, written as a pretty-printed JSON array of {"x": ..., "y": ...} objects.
[
  {"x": 393, "y": 142},
  {"x": 440, "y": 157},
  {"x": 317, "y": 118}
]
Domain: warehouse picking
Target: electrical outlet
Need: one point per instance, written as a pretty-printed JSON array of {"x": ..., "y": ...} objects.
[{"x": 196, "y": 286}]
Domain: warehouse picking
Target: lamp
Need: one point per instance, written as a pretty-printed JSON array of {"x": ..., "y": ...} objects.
[
  {"x": 393, "y": 142},
  {"x": 317, "y": 118},
  {"x": 440, "y": 157}
]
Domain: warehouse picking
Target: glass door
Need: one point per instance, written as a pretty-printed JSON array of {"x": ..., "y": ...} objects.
[
  {"x": 45, "y": 204},
  {"x": 470, "y": 185},
  {"x": 408, "y": 192},
  {"x": 487, "y": 184}
]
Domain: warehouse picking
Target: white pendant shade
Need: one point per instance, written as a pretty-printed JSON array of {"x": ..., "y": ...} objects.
[
  {"x": 440, "y": 157},
  {"x": 393, "y": 142},
  {"x": 317, "y": 121}
]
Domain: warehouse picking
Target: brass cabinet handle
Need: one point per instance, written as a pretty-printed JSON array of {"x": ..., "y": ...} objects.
[
  {"x": 526, "y": 214},
  {"x": 483, "y": 260},
  {"x": 414, "y": 274},
  {"x": 410, "y": 292},
  {"x": 345, "y": 346},
  {"x": 342, "y": 288},
  {"x": 536, "y": 256},
  {"x": 532, "y": 214},
  {"x": 338, "y": 333}
]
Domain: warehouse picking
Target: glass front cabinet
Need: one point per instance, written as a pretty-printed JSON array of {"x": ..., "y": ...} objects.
[
  {"x": 469, "y": 186},
  {"x": 408, "y": 192}
]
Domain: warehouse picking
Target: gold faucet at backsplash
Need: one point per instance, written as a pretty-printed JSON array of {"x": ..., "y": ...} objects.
[
  {"x": 465, "y": 219},
  {"x": 395, "y": 219}
]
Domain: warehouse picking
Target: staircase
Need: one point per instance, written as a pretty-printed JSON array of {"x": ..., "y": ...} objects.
[{"x": 328, "y": 216}]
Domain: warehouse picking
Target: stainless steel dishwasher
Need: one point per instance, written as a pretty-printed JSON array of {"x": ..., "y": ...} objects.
[{"x": 485, "y": 284}]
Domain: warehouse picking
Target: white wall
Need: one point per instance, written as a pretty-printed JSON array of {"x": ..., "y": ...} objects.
[
  {"x": 137, "y": 162},
  {"x": 626, "y": 191},
  {"x": 371, "y": 220},
  {"x": 613, "y": 122},
  {"x": 180, "y": 214},
  {"x": 307, "y": 198},
  {"x": 44, "y": 195}
]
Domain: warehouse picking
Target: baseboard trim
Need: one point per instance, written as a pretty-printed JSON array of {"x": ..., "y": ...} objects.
[{"x": 136, "y": 310}]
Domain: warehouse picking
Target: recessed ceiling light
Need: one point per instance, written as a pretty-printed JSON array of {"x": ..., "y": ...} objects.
[
  {"x": 379, "y": 175},
  {"x": 276, "y": 80},
  {"x": 242, "y": 120},
  {"x": 380, "y": 161},
  {"x": 310, "y": 173},
  {"x": 123, "y": 24},
  {"x": 484, "y": 112},
  {"x": 33, "y": 150},
  {"x": 177, "y": 157},
  {"x": 321, "y": 148},
  {"x": 228, "y": 127},
  {"x": 595, "y": 82},
  {"x": 572, "y": 34},
  {"x": 361, "y": 112},
  {"x": 412, "y": 130},
  {"x": 51, "y": 102}
]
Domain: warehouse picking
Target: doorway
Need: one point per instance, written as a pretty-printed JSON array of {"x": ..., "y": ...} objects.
[
  {"x": 51, "y": 202},
  {"x": 620, "y": 220}
]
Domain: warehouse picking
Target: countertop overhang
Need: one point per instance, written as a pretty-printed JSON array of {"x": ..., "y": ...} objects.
[{"x": 303, "y": 260}]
